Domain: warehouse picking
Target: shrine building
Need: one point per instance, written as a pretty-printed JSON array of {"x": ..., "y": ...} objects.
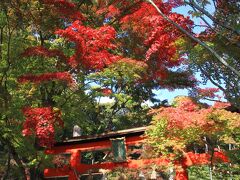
[{"x": 80, "y": 157}]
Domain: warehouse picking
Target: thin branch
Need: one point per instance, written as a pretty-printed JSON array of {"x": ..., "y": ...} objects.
[
  {"x": 1, "y": 42},
  {"x": 214, "y": 100},
  {"x": 209, "y": 26},
  {"x": 5, "y": 176},
  {"x": 74, "y": 92},
  {"x": 125, "y": 12},
  {"x": 202, "y": 10},
  {"x": 15, "y": 155},
  {"x": 219, "y": 58},
  {"x": 203, "y": 19},
  {"x": 210, "y": 79}
]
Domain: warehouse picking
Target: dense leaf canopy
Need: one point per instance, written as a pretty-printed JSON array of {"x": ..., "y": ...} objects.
[{"x": 60, "y": 58}]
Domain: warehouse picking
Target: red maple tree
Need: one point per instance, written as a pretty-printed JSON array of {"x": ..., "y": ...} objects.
[
  {"x": 40, "y": 122},
  {"x": 95, "y": 48}
]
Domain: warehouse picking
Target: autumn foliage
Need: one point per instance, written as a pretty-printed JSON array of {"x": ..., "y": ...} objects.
[
  {"x": 58, "y": 58},
  {"x": 40, "y": 122},
  {"x": 91, "y": 45},
  {"x": 106, "y": 91},
  {"x": 158, "y": 35},
  {"x": 95, "y": 47},
  {"x": 64, "y": 8},
  {"x": 60, "y": 76},
  {"x": 175, "y": 129},
  {"x": 40, "y": 51},
  {"x": 208, "y": 92}
]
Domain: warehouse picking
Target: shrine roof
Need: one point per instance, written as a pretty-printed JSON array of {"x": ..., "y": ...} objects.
[{"x": 104, "y": 136}]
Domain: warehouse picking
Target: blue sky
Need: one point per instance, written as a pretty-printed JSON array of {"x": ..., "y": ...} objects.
[
  {"x": 185, "y": 9},
  {"x": 169, "y": 95}
]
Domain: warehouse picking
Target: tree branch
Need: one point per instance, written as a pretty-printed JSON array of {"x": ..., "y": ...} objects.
[
  {"x": 212, "y": 51},
  {"x": 202, "y": 10}
]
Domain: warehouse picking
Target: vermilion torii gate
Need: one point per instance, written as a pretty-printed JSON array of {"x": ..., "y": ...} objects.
[{"x": 116, "y": 145}]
